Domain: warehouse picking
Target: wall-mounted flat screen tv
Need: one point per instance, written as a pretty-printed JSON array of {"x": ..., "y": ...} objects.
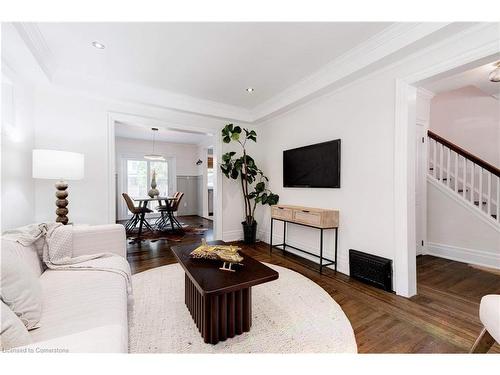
[{"x": 313, "y": 166}]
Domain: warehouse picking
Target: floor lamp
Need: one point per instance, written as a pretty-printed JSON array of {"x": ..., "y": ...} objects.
[{"x": 60, "y": 166}]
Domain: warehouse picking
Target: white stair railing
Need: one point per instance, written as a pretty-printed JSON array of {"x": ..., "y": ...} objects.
[{"x": 471, "y": 178}]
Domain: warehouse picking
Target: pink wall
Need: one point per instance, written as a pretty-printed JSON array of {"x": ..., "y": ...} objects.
[{"x": 469, "y": 118}]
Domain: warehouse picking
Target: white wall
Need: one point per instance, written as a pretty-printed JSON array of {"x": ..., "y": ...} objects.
[
  {"x": 185, "y": 155},
  {"x": 456, "y": 233},
  {"x": 71, "y": 121},
  {"x": 182, "y": 159},
  {"x": 17, "y": 142},
  {"x": 469, "y": 118},
  {"x": 362, "y": 114}
]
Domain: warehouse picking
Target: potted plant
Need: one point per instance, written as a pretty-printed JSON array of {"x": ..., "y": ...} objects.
[{"x": 252, "y": 179}]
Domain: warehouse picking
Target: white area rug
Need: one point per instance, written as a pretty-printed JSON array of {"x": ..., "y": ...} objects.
[{"x": 290, "y": 315}]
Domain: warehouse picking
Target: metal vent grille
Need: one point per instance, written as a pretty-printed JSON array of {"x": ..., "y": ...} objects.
[{"x": 371, "y": 269}]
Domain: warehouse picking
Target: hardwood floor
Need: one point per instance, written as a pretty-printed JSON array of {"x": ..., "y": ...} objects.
[
  {"x": 442, "y": 318},
  {"x": 148, "y": 254}
]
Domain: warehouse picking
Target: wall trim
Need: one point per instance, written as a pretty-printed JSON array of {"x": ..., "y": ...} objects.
[
  {"x": 34, "y": 40},
  {"x": 232, "y": 235},
  {"x": 386, "y": 42},
  {"x": 114, "y": 117},
  {"x": 462, "y": 254},
  {"x": 425, "y": 94},
  {"x": 485, "y": 45},
  {"x": 464, "y": 203},
  {"x": 137, "y": 94},
  {"x": 381, "y": 45}
]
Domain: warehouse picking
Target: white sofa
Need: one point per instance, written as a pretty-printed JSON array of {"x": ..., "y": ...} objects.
[{"x": 82, "y": 311}]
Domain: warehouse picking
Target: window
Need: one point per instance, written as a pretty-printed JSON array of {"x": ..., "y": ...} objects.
[
  {"x": 138, "y": 178},
  {"x": 161, "y": 168}
]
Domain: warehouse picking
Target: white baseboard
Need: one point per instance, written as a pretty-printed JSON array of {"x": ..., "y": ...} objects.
[
  {"x": 232, "y": 235},
  {"x": 460, "y": 254}
]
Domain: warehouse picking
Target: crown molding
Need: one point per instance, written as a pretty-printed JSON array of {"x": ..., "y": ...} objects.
[
  {"x": 425, "y": 94},
  {"x": 149, "y": 96},
  {"x": 137, "y": 94},
  {"x": 34, "y": 40},
  {"x": 383, "y": 44},
  {"x": 377, "y": 47}
]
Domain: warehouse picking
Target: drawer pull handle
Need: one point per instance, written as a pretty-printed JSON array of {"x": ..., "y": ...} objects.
[
  {"x": 281, "y": 208},
  {"x": 305, "y": 211}
]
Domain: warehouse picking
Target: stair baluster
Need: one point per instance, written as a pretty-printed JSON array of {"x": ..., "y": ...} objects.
[{"x": 481, "y": 189}]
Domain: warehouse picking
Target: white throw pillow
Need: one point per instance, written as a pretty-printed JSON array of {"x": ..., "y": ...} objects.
[
  {"x": 20, "y": 289},
  {"x": 13, "y": 333}
]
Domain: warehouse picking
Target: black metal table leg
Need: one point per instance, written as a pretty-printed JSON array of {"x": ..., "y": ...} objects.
[
  {"x": 321, "y": 252},
  {"x": 284, "y": 238},
  {"x": 323, "y": 261},
  {"x": 271, "y": 239},
  {"x": 142, "y": 219},
  {"x": 336, "y": 240},
  {"x": 170, "y": 214}
]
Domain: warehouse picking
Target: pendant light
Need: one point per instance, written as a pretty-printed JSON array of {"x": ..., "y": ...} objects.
[
  {"x": 154, "y": 156},
  {"x": 495, "y": 73}
]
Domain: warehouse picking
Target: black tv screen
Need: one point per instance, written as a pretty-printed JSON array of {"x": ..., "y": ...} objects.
[{"x": 314, "y": 166}]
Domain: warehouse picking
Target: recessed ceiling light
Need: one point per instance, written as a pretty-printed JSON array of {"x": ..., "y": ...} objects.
[
  {"x": 250, "y": 89},
  {"x": 98, "y": 45}
]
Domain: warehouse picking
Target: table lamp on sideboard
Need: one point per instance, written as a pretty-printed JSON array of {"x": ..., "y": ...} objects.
[{"x": 60, "y": 166}]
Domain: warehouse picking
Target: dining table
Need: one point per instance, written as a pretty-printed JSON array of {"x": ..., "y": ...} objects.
[{"x": 143, "y": 203}]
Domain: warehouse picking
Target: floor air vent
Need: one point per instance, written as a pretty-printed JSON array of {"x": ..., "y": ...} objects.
[{"x": 371, "y": 269}]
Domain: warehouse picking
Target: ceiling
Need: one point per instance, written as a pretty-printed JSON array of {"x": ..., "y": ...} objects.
[
  {"x": 211, "y": 61},
  {"x": 477, "y": 77},
  {"x": 133, "y": 131}
]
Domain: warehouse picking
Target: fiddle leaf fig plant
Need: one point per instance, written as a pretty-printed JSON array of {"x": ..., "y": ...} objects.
[{"x": 252, "y": 179}]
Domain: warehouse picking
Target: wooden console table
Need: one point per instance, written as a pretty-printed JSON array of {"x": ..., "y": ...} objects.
[{"x": 309, "y": 217}]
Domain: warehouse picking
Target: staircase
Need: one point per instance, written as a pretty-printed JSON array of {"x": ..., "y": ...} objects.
[{"x": 471, "y": 179}]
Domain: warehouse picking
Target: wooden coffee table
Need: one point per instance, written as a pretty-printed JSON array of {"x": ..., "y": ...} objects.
[{"x": 220, "y": 302}]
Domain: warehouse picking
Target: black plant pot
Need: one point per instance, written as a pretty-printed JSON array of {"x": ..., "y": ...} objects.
[{"x": 249, "y": 232}]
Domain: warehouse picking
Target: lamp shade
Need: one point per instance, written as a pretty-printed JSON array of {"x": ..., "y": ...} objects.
[{"x": 57, "y": 165}]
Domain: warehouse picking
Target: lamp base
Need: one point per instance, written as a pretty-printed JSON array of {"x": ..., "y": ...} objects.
[{"x": 62, "y": 202}]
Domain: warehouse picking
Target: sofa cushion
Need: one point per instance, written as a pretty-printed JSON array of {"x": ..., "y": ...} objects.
[
  {"x": 20, "y": 288},
  {"x": 95, "y": 340},
  {"x": 31, "y": 255},
  {"x": 76, "y": 301},
  {"x": 13, "y": 333}
]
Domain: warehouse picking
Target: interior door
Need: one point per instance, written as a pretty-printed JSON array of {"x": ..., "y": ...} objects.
[{"x": 421, "y": 188}]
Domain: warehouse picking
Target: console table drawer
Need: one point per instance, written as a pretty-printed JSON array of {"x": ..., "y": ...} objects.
[
  {"x": 282, "y": 213},
  {"x": 307, "y": 217}
]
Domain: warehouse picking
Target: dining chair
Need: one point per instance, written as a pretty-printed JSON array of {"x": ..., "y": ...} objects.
[
  {"x": 138, "y": 215},
  {"x": 167, "y": 213},
  {"x": 163, "y": 221},
  {"x": 175, "y": 208}
]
